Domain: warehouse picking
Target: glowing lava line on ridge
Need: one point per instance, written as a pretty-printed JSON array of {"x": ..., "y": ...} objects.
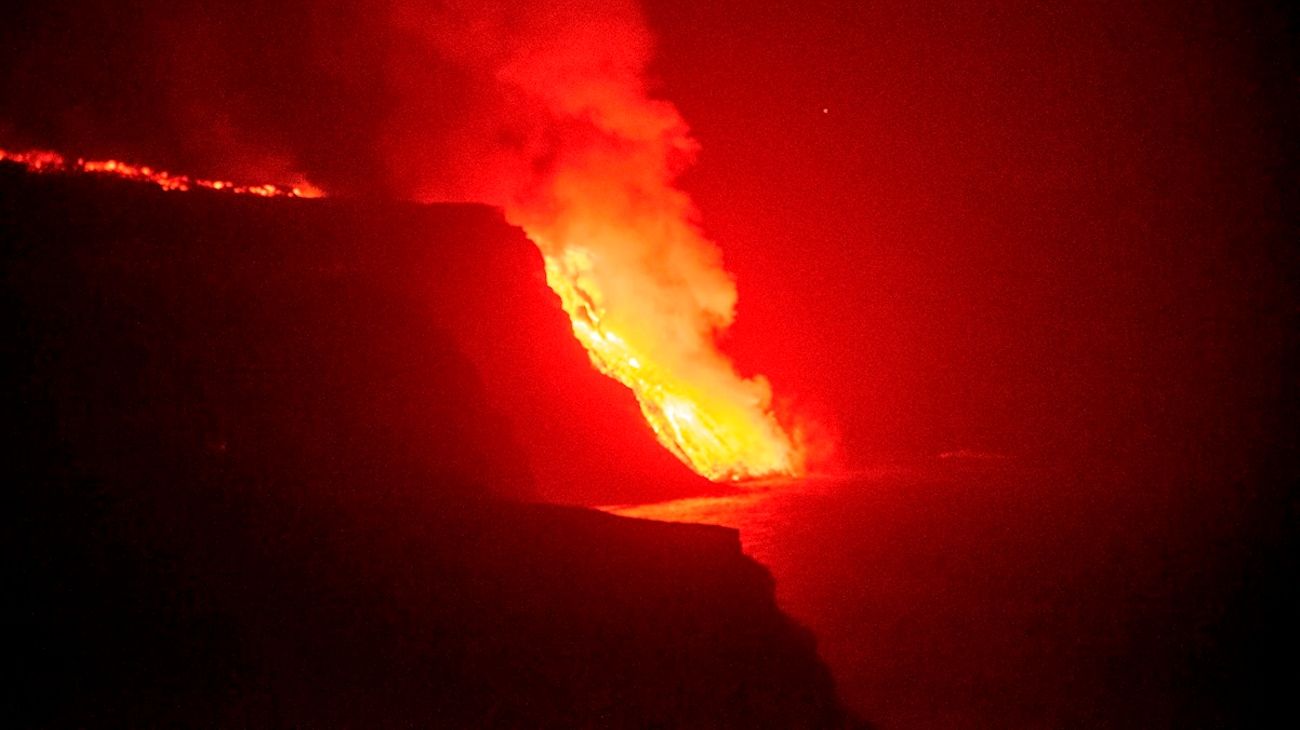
[{"x": 41, "y": 161}]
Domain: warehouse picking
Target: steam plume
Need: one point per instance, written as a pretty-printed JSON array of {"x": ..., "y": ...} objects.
[{"x": 584, "y": 160}]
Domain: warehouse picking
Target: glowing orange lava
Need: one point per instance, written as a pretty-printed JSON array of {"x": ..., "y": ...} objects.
[
  {"x": 718, "y": 424},
  {"x": 44, "y": 161}
]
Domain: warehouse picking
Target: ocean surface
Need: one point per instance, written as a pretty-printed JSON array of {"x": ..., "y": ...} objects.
[{"x": 975, "y": 591}]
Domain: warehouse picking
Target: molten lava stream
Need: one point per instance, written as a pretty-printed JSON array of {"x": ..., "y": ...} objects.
[{"x": 715, "y": 422}]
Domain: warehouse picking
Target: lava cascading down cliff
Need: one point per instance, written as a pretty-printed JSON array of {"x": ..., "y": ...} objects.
[{"x": 590, "y": 179}]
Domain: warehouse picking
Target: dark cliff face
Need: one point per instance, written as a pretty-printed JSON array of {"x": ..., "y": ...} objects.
[
  {"x": 251, "y": 448},
  {"x": 410, "y": 317}
]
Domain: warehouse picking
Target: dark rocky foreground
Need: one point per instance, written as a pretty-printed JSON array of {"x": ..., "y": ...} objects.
[{"x": 252, "y": 447}]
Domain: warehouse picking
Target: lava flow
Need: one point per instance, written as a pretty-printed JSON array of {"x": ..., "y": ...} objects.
[
  {"x": 717, "y": 423},
  {"x": 42, "y": 161}
]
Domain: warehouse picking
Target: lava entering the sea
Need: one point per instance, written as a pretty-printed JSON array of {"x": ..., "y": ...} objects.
[{"x": 717, "y": 423}]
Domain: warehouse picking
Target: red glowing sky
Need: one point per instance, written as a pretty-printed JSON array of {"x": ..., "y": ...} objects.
[
  {"x": 1011, "y": 227},
  {"x": 1018, "y": 227}
]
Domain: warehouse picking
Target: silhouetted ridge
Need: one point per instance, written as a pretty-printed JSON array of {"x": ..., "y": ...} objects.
[{"x": 253, "y": 448}]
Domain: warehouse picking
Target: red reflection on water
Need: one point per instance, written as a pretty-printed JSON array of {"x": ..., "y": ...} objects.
[{"x": 971, "y": 592}]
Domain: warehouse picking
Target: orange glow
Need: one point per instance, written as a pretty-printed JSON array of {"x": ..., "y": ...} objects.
[
  {"x": 717, "y": 423},
  {"x": 645, "y": 289},
  {"x": 646, "y": 294},
  {"x": 44, "y": 161}
]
